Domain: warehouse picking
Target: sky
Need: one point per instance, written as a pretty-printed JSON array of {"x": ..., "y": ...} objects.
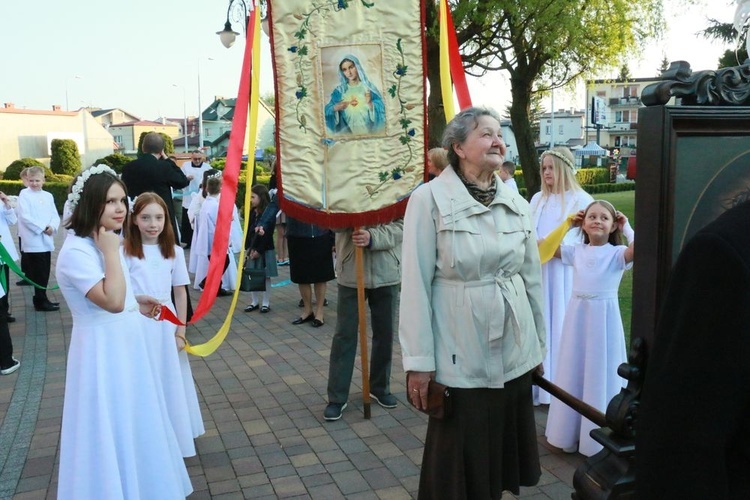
[{"x": 147, "y": 57}]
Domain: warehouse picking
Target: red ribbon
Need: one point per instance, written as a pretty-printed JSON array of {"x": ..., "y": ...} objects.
[
  {"x": 229, "y": 179},
  {"x": 457, "y": 68},
  {"x": 166, "y": 314}
]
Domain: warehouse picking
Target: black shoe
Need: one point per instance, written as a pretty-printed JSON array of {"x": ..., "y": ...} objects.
[
  {"x": 334, "y": 411},
  {"x": 325, "y": 302},
  {"x": 299, "y": 321},
  {"x": 265, "y": 309},
  {"x": 22, "y": 283},
  {"x": 387, "y": 401},
  {"x": 47, "y": 307},
  {"x": 317, "y": 323},
  {"x": 251, "y": 308},
  {"x": 223, "y": 293},
  {"x": 301, "y": 303},
  {"x": 10, "y": 319}
]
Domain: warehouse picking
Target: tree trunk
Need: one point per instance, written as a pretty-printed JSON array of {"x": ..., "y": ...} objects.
[
  {"x": 519, "y": 112},
  {"x": 435, "y": 112}
]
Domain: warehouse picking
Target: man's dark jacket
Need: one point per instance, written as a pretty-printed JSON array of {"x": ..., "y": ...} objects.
[
  {"x": 693, "y": 427},
  {"x": 151, "y": 174}
]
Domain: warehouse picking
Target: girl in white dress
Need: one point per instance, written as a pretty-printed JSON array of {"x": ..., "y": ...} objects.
[
  {"x": 561, "y": 196},
  {"x": 204, "y": 239},
  {"x": 592, "y": 345},
  {"x": 116, "y": 439},
  {"x": 157, "y": 268}
]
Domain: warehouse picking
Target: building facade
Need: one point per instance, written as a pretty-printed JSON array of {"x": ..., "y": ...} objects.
[
  {"x": 564, "y": 127},
  {"x": 28, "y": 133},
  {"x": 622, "y": 100},
  {"x": 126, "y": 134}
]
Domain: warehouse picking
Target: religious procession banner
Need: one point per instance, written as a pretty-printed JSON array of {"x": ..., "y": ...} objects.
[{"x": 350, "y": 107}]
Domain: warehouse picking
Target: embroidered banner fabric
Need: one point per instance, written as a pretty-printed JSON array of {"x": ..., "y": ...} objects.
[{"x": 350, "y": 107}]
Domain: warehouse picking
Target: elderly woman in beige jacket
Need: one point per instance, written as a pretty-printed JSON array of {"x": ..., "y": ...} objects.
[{"x": 471, "y": 317}]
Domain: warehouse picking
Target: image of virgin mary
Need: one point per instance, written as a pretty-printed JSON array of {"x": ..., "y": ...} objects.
[{"x": 356, "y": 106}]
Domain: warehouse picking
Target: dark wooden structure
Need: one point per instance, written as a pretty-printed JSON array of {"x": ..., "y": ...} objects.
[{"x": 693, "y": 162}]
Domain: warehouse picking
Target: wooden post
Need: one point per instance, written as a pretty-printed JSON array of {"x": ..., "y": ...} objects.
[{"x": 359, "y": 262}]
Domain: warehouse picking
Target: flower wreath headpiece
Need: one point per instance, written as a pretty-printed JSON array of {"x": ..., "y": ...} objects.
[
  {"x": 217, "y": 175},
  {"x": 75, "y": 194},
  {"x": 564, "y": 158}
]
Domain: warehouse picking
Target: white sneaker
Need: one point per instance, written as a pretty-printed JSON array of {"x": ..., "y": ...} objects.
[{"x": 12, "y": 368}]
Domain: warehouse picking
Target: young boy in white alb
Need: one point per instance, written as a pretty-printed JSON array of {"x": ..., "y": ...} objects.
[{"x": 38, "y": 221}]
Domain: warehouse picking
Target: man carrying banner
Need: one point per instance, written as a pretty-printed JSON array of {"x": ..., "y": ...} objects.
[{"x": 381, "y": 247}]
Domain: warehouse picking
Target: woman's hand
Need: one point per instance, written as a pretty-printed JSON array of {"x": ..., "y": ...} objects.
[
  {"x": 416, "y": 387},
  {"x": 106, "y": 241},
  {"x": 254, "y": 254},
  {"x": 148, "y": 306}
]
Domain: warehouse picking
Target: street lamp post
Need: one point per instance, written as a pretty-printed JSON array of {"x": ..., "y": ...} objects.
[
  {"x": 228, "y": 35},
  {"x": 184, "y": 116},
  {"x": 76, "y": 77}
]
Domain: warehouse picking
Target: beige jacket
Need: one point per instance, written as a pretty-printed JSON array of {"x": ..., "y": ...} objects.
[
  {"x": 381, "y": 261},
  {"x": 471, "y": 294}
]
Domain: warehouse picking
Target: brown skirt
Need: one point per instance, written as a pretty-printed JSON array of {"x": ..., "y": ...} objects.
[{"x": 487, "y": 446}]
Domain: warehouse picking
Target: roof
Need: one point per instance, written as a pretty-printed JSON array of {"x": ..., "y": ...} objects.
[
  {"x": 18, "y": 111},
  {"x": 211, "y": 113},
  {"x": 143, "y": 123},
  {"x": 100, "y": 112}
]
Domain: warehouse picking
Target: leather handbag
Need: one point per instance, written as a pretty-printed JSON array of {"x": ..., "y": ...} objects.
[
  {"x": 439, "y": 402},
  {"x": 253, "y": 280}
]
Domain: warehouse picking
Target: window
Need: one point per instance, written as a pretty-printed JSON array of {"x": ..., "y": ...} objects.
[
  {"x": 548, "y": 130},
  {"x": 118, "y": 139},
  {"x": 630, "y": 91},
  {"x": 560, "y": 129},
  {"x": 623, "y": 116}
]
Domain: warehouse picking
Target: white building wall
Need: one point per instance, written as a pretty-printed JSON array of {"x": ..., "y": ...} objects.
[{"x": 25, "y": 135}]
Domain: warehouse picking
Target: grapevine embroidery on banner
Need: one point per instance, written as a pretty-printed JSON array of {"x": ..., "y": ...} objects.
[{"x": 408, "y": 132}]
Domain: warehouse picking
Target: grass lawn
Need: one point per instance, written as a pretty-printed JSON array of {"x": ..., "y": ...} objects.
[{"x": 624, "y": 201}]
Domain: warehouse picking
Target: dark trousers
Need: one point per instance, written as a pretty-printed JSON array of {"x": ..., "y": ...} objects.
[
  {"x": 4, "y": 302},
  {"x": 202, "y": 284},
  {"x": 186, "y": 230},
  {"x": 37, "y": 266},
  {"x": 383, "y": 303},
  {"x": 6, "y": 345}
]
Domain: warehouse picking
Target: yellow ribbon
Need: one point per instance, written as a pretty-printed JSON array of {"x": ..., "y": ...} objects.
[
  {"x": 211, "y": 345},
  {"x": 553, "y": 240},
  {"x": 446, "y": 85}
]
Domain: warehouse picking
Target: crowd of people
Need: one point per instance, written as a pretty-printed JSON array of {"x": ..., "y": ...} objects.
[{"x": 485, "y": 312}]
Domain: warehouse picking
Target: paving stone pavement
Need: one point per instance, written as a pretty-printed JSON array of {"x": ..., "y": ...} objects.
[{"x": 262, "y": 395}]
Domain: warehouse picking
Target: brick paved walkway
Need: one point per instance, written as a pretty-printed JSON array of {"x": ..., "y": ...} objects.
[{"x": 262, "y": 395}]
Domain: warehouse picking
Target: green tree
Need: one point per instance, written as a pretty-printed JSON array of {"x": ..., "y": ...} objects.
[
  {"x": 65, "y": 158},
  {"x": 115, "y": 160},
  {"x": 625, "y": 73},
  {"x": 168, "y": 143},
  {"x": 664, "y": 66},
  {"x": 725, "y": 32},
  {"x": 541, "y": 45},
  {"x": 13, "y": 171},
  {"x": 269, "y": 99}
]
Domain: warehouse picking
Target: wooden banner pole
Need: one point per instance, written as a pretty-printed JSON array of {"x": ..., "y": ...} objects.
[{"x": 359, "y": 262}]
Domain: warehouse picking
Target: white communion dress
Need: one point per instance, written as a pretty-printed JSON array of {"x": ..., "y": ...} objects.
[
  {"x": 116, "y": 440},
  {"x": 592, "y": 345}
]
